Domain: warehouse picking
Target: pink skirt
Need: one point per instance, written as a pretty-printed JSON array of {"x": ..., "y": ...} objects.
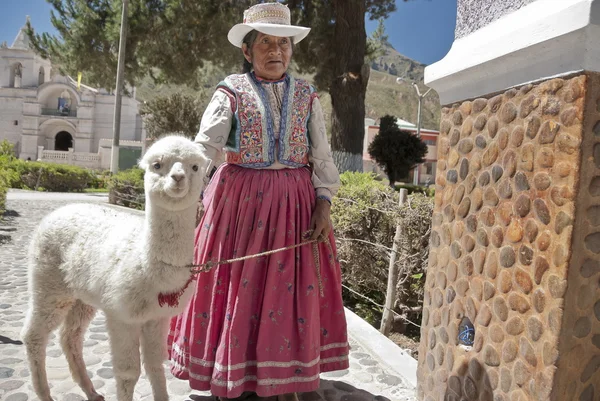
[{"x": 260, "y": 325}]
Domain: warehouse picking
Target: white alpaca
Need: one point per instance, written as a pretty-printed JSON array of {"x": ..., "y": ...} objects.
[{"x": 87, "y": 257}]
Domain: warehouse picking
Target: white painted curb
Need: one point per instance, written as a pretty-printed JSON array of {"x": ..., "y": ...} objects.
[{"x": 382, "y": 348}]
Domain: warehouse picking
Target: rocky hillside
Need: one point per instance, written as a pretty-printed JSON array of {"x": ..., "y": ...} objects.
[
  {"x": 384, "y": 94},
  {"x": 396, "y": 64}
]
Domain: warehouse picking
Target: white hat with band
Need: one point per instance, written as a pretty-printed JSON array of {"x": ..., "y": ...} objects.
[{"x": 268, "y": 18}]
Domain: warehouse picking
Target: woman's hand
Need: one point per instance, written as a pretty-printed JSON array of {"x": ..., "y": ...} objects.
[{"x": 320, "y": 221}]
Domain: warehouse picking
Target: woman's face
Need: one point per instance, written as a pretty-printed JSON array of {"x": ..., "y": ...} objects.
[{"x": 269, "y": 55}]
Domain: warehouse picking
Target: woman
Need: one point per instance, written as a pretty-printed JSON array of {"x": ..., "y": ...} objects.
[{"x": 267, "y": 325}]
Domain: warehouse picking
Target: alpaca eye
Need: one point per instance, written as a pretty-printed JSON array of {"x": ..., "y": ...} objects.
[
  {"x": 195, "y": 167},
  {"x": 156, "y": 165}
]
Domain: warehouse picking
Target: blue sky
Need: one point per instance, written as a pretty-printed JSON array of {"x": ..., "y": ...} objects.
[{"x": 420, "y": 29}]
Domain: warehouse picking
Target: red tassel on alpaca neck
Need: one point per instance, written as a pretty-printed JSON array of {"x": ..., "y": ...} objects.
[{"x": 172, "y": 299}]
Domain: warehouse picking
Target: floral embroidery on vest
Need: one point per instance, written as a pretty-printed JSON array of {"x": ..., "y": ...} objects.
[
  {"x": 252, "y": 140},
  {"x": 295, "y": 145}
]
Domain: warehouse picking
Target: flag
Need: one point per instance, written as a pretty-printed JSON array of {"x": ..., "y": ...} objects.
[{"x": 78, "y": 80}]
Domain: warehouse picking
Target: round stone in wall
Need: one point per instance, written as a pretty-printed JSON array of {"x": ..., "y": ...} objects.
[
  {"x": 490, "y": 356},
  {"x": 457, "y": 118},
  {"x": 484, "y": 179},
  {"x": 533, "y": 126},
  {"x": 507, "y": 256},
  {"x": 508, "y": 113},
  {"x": 567, "y": 143},
  {"x": 517, "y": 136},
  {"x": 548, "y": 132},
  {"x": 542, "y": 211},
  {"x": 544, "y": 241},
  {"x": 500, "y": 309},
  {"x": 480, "y": 142},
  {"x": 535, "y": 328},
  {"x": 452, "y": 176},
  {"x": 521, "y": 182},
  {"x": 527, "y": 105},
  {"x": 522, "y": 206},
  {"x": 465, "y": 146},
  {"x": 497, "y": 172},
  {"x": 518, "y": 303}
]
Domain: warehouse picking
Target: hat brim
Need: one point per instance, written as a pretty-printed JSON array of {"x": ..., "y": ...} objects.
[{"x": 238, "y": 32}]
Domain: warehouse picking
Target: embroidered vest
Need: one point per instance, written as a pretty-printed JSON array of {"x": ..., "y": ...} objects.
[{"x": 252, "y": 141}]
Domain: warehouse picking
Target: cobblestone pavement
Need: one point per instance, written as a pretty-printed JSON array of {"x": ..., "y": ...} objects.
[{"x": 367, "y": 379}]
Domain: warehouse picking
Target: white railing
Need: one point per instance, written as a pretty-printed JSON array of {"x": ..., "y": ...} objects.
[
  {"x": 52, "y": 155},
  {"x": 86, "y": 157},
  {"x": 81, "y": 159},
  {"x": 105, "y": 142}
]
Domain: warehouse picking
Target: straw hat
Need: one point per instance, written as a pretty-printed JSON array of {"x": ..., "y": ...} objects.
[{"x": 268, "y": 18}]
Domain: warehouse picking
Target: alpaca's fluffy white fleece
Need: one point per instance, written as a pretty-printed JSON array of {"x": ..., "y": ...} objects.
[{"x": 86, "y": 257}]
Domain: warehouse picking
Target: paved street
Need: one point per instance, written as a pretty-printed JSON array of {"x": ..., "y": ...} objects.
[{"x": 369, "y": 378}]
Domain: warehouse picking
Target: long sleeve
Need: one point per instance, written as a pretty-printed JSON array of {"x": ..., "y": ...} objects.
[
  {"x": 325, "y": 177},
  {"x": 215, "y": 127}
]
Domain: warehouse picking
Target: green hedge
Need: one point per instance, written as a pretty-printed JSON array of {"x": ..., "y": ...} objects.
[
  {"x": 6, "y": 174},
  {"x": 41, "y": 176},
  {"x": 126, "y": 188},
  {"x": 3, "y": 189},
  {"x": 22, "y": 174},
  {"x": 100, "y": 180},
  {"x": 412, "y": 188},
  {"x": 365, "y": 214},
  {"x": 50, "y": 177}
]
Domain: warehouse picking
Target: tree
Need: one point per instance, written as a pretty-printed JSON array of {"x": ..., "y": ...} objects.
[
  {"x": 378, "y": 42},
  {"x": 88, "y": 39},
  {"x": 170, "y": 114},
  {"x": 172, "y": 39},
  {"x": 336, "y": 50},
  {"x": 396, "y": 151}
]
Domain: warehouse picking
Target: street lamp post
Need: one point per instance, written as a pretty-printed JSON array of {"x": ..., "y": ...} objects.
[
  {"x": 114, "y": 153},
  {"x": 420, "y": 96}
]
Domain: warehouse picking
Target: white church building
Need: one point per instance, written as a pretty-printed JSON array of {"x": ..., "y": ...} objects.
[{"x": 48, "y": 117}]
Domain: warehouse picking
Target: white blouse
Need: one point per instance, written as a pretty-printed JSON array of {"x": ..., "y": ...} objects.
[{"x": 216, "y": 125}]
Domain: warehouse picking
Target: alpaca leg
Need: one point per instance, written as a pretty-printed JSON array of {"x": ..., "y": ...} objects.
[
  {"x": 154, "y": 352},
  {"x": 43, "y": 317},
  {"x": 125, "y": 350},
  {"x": 71, "y": 339}
]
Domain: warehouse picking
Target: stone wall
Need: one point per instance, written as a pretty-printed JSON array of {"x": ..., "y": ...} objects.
[
  {"x": 516, "y": 218},
  {"x": 578, "y": 374}
]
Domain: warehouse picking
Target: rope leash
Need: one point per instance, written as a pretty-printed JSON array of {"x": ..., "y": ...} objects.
[{"x": 205, "y": 267}]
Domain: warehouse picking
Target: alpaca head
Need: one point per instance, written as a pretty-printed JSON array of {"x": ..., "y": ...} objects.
[{"x": 175, "y": 169}]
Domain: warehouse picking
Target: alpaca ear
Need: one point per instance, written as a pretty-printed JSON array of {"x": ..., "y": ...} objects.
[{"x": 207, "y": 165}]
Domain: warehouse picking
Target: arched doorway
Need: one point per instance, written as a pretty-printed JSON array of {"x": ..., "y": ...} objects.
[{"x": 63, "y": 141}]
